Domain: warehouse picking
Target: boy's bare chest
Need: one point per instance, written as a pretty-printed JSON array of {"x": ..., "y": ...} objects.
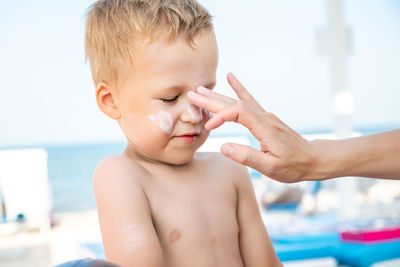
[
  {"x": 200, "y": 213},
  {"x": 194, "y": 215}
]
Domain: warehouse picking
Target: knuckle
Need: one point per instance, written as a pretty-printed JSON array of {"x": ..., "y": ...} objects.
[
  {"x": 275, "y": 122},
  {"x": 241, "y": 105},
  {"x": 279, "y": 127},
  {"x": 244, "y": 158},
  {"x": 271, "y": 116},
  {"x": 274, "y": 167}
]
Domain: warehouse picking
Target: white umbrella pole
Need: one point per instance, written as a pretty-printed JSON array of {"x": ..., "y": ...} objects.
[{"x": 342, "y": 98}]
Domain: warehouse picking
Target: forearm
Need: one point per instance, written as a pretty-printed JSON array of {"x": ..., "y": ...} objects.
[
  {"x": 287, "y": 157},
  {"x": 375, "y": 155}
]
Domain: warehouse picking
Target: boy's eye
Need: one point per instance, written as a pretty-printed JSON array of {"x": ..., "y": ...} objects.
[{"x": 169, "y": 100}]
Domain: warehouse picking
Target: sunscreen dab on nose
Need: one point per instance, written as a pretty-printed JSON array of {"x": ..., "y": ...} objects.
[
  {"x": 163, "y": 120},
  {"x": 195, "y": 112}
]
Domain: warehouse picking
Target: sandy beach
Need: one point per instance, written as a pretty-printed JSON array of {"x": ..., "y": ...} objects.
[{"x": 63, "y": 242}]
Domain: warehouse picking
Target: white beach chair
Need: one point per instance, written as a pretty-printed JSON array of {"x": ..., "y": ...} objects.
[{"x": 25, "y": 187}]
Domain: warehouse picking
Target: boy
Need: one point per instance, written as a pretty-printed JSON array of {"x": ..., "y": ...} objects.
[{"x": 160, "y": 203}]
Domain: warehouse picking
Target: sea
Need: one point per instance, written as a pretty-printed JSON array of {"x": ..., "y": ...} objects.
[
  {"x": 70, "y": 171},
  {"x": 71, "y": 166}
]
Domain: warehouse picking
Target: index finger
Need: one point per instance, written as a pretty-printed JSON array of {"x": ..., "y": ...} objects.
[
  {"x": 210, "y": 101},
  {"x": 241, "y": 91}
]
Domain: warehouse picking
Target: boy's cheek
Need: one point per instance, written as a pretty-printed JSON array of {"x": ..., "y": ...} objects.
[
  {"x": 143, "y": 130},
  {"x": 135, "y": 126},
  {"x": 162, "y": 120},
  {"x": 129, "y": 124}
]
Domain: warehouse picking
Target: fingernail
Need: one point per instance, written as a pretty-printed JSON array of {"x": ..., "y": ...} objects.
[
  {"x": 203, "y": 90},
  {"x": 227, "y": 150}
]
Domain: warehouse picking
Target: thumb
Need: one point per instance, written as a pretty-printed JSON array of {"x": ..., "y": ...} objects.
[{"x": 246, "y": 155}]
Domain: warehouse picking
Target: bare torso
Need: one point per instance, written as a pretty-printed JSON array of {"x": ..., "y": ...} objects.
[{"x": 193, "y": 209}]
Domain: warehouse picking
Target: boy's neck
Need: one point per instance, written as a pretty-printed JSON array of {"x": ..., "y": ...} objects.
[{"x": 133, "y": 154}]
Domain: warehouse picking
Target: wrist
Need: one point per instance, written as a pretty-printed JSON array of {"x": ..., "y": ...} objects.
[{"x": 325, "y": 160}]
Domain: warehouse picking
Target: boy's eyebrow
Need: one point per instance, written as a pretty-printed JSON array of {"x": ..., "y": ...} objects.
[{"x": 177, "y": 87}]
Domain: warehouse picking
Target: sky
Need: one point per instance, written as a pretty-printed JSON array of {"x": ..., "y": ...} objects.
[{"x": 47, "y": 95}]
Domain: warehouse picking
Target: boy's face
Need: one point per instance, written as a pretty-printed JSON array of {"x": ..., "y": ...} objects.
[{"x": 156, "y": 116}]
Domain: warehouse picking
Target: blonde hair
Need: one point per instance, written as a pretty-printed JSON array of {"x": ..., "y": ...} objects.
[{"x": 113, "y": 27}]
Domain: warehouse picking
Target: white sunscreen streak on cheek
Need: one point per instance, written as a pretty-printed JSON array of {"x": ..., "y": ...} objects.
[
  {"x": 195, "y": 112},
  {"x": 163, "y": 120},
  {"x": 132, "y": 237}
]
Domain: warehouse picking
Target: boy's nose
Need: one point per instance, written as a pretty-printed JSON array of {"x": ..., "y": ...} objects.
[{"x": 192, "y": 114}]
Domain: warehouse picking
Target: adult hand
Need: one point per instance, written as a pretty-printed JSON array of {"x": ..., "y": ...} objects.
[{"x": 283, "y": 155}]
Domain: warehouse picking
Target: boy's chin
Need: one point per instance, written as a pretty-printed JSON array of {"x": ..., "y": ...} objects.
[
  {"x": 179, "y": 159},
  {"x": 182, "y": 162}
]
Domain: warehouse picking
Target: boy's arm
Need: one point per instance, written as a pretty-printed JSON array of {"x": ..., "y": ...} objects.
[
  {"x": 129, "y": 237},
  {"x": 255, "y": 245}
]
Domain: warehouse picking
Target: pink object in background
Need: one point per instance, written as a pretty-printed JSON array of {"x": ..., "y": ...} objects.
[{"x": 371, "y": 235}]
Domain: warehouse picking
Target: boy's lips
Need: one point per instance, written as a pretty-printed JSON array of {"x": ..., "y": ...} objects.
[
  {"x": 188, "y": 137},
  {"x": 189, "y": 134}
]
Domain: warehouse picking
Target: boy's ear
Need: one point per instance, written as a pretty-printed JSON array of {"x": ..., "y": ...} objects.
[{"x": 105, "y": 98}]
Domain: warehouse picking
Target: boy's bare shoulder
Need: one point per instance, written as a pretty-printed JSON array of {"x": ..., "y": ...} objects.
[{"x": 117, "y": 170}]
